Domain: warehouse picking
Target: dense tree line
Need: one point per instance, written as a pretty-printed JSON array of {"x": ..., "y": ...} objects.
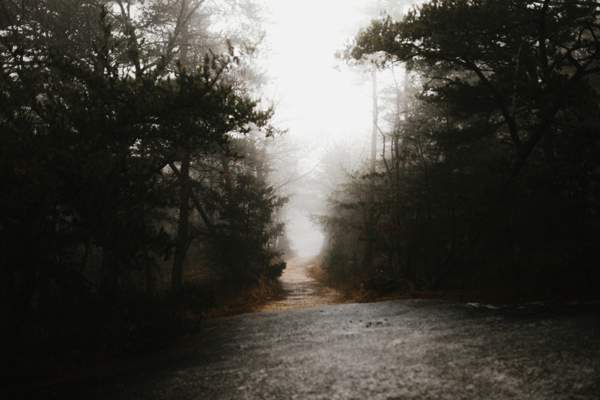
[
  {"x": 489, "y": 177},
  {"x": 130, "y": 136}
]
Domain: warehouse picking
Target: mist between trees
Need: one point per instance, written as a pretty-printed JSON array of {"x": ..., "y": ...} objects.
[
  {"x": 487, "y": 175},
  {"x": 130, "y": 139},
  {"x": 135, "y": 162}
]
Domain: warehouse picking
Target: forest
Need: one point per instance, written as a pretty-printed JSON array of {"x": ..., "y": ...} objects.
[
  {"x": 487, "y": 177},
  {"x": 132, "y": 152},
  {"x": 150, "y": 184}
]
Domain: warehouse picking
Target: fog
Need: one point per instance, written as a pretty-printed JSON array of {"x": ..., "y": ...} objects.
[
  {"x": 322, "y": 103},
  {"x": 228, "y": 193}
]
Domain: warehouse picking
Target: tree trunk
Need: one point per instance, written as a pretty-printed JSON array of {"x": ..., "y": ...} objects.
[
  {"x": 185, "y": 188},
  {"x": 375, "y": 127},
  {"x": 183, "y": 227},
  {"x": 110, "y": 279}
]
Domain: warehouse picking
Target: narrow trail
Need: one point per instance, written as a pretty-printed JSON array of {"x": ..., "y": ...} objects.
[{"x": 301, "y": 290}]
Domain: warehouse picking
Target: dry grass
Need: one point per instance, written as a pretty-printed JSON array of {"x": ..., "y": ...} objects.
[
  {"x": 346, "y": 294},
  {"x": 235, "y": 301},
  {"x": 359, "y": 294},
  {"x": 316, "y": 272},
  {"x": 352, "y": 294}
]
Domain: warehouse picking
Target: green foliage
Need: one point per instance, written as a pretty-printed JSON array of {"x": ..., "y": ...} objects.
[
  {"x": 491, "y": 180},
  {"x": 245, "y": 208},
  {"x": 94, "y": 126}
]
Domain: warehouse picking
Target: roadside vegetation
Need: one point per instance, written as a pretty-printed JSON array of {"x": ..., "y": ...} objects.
[
  {"x": 487, "y": 181},
  {"x": 133, "y": 174}
]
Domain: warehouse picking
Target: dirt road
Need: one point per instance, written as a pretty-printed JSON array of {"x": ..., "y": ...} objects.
[{"x": 301, "y": 290}]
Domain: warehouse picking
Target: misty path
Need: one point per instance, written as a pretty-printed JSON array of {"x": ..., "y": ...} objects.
[{"x": 301, "y": 290}]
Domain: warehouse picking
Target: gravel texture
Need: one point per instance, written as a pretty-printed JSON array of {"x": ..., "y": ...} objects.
[{"x": 405, "y": 349}]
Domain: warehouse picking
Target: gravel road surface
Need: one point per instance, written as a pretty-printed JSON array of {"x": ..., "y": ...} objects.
[{"x": 406, "y": 349}]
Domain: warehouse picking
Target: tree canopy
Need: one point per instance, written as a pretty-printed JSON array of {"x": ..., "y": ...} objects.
[
  {"x": 490, "y": 178},
  {"x": 120, "y": 126}
]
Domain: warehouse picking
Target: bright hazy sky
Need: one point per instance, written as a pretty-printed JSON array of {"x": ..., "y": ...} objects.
[
  {"x": 320, "y": 101},
  {"x": 320, "y": 105}
]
